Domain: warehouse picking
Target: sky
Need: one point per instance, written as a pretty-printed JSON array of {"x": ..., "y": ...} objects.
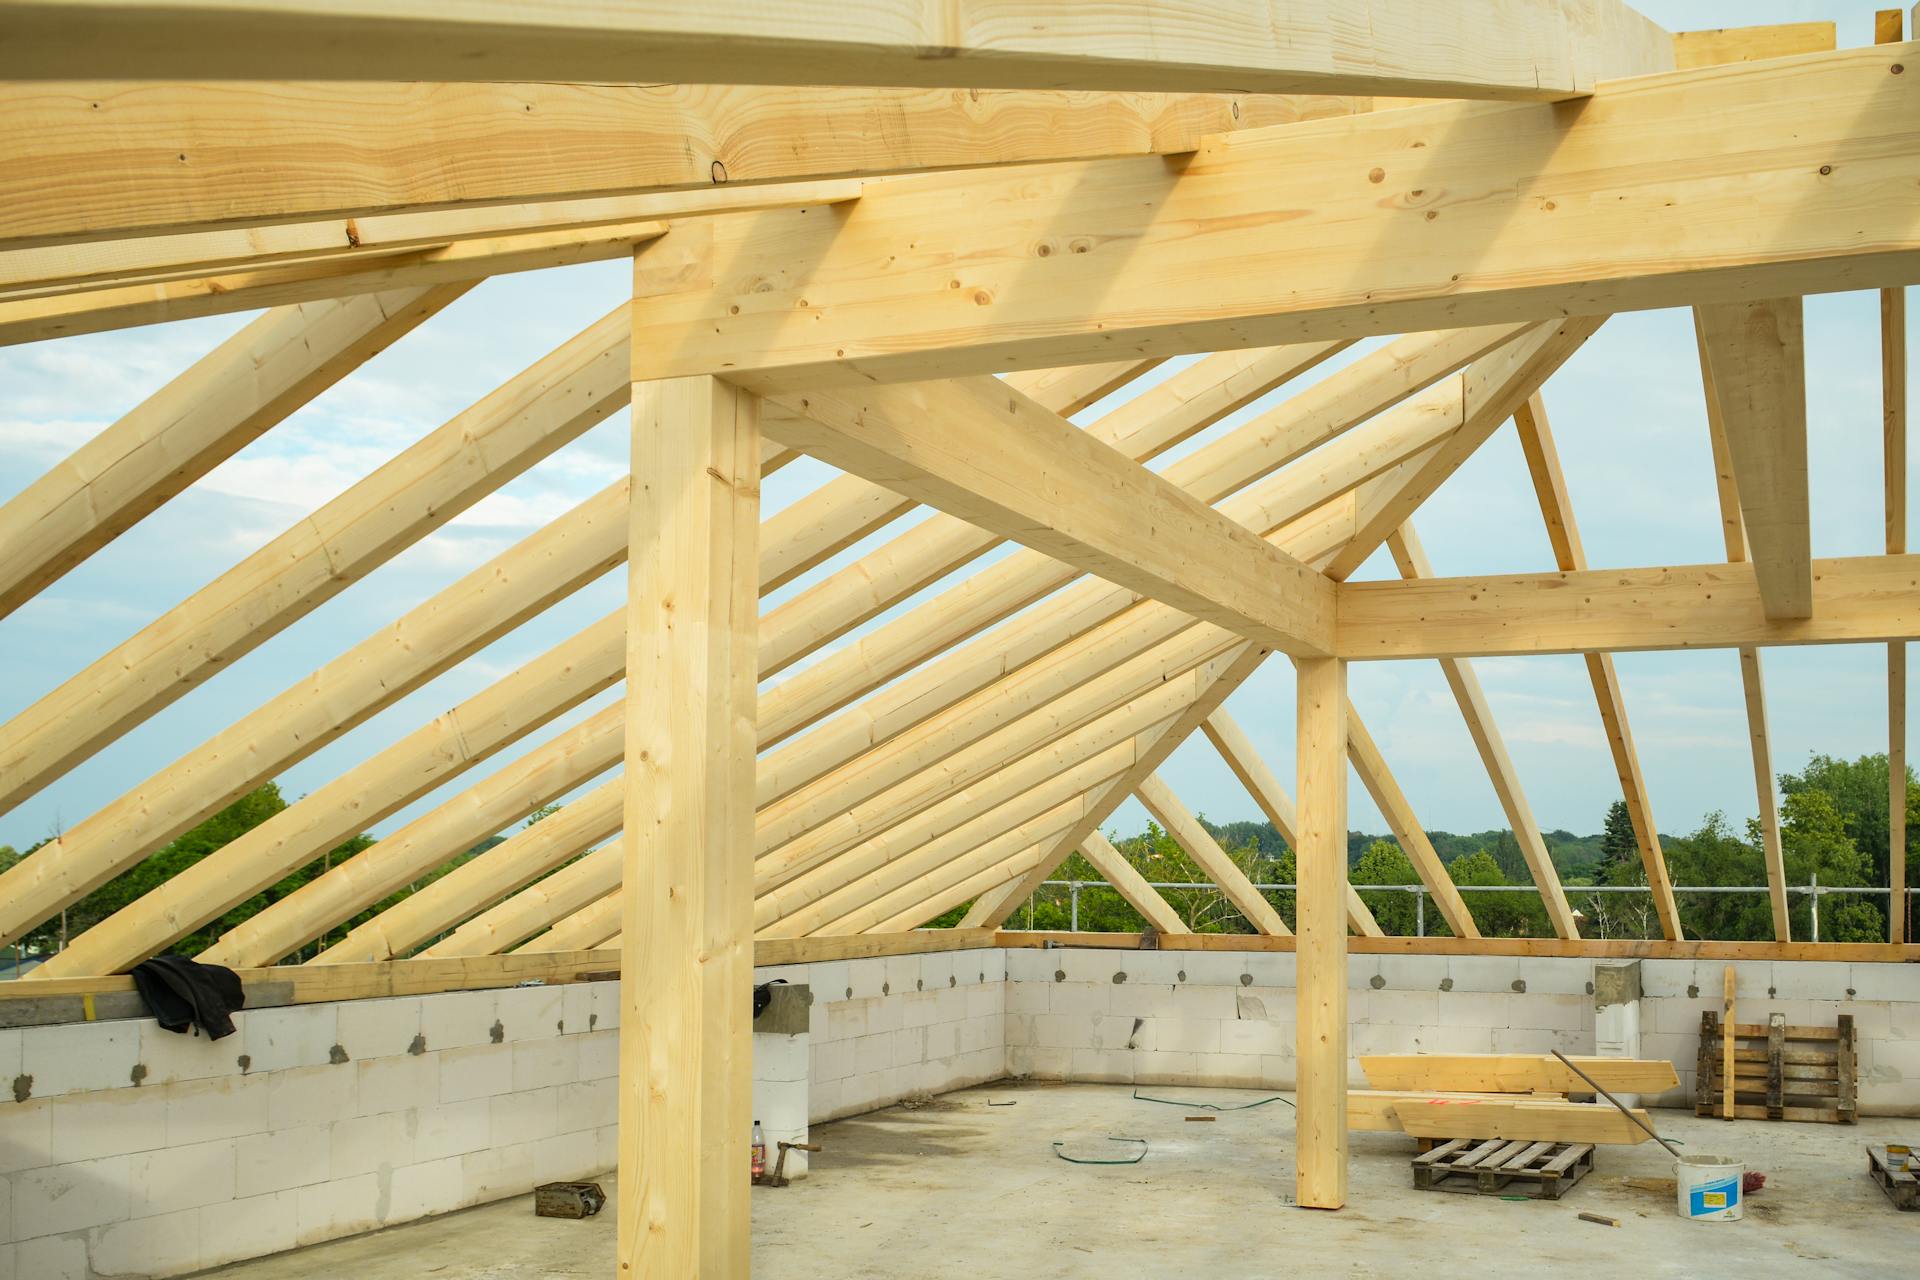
[{"x": 1627, "y": 414}]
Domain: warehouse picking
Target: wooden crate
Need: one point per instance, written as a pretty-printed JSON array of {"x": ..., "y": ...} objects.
[
  {"x": 1780, "y": 1072},
  {"x": 1495, "y": 1166},
  {"x": 1901, "y": 1187}
]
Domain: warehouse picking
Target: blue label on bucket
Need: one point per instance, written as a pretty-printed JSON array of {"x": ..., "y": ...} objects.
[{"x": 1712, "y": 1197}]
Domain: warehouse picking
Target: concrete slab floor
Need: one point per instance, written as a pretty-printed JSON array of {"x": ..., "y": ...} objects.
[{"x": 960, "y": 1187}]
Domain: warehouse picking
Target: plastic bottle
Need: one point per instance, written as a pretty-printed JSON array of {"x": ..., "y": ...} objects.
[{"x": 759, "y": 1152}]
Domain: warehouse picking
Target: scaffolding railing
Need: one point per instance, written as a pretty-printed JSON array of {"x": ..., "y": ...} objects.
[{"x": 1813, "y": 890}]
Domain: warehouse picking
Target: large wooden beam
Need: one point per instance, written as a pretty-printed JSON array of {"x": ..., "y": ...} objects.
[
  {"x": 1757, "y": 351},
  {"x": 1857, "y": 599},
  {"x": 1563, "y": 534},
  {"x": 1320, "y": 1025},
  {"x": 289, "y": 151},
  {"x": 1547, "y": 50},
  {"x": 1179, "y": 822},
  {"x": 239, "y": 390},
  {"x": 1395, "y": 808},
  {"x": 980, "y": 450},
  {"x": 1752, "y": 682},
  {"x": 686, "y": 1060},
  {"x": 1453, "y": 214},
  {"x": 1411, "y": 559}
]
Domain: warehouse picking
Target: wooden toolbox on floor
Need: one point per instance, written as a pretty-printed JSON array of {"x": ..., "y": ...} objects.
[
  {"x": 1780, "y": 1072},
  {"x": 1540, "y": 1170}
]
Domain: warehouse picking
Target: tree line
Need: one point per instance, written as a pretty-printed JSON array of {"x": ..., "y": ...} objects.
[{"x": 1833, "y": 826}]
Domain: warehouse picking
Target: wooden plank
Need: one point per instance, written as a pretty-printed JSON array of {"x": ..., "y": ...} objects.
[
  {"x": 1595, "y": 949},
  {"x": 571, "y": 890},
  {"x": 1848, "y": 1070},
  {"x": 1719, "y": 45},
  {"x": 1757, "y": 351},
  {"x": 1320, "y": 1173},
  {"x": 65, "y": 314},
  {"x": 1893, "y": 399},
  {"x": 100, "y": 159},
  {"x": 1547, "y": 51},
  {"x": 151, "y": 259},
  {"x": 686, "y": 1083},
  {"x": 1726, "y": 1043},
  {"x": 1558, "y": 223},
  {"x": 1703, "y": 606},
  {"x": 1514, "y": 1073},
  {"x": 1179, "y": 822},
  {"x": 1563, "y": 532},
  {"x": 1458, "y": 1116},
  {"x": 1776, "y": 1069},
  {"x": 239, "y": 390},
  {"x": 1398, "y": 811},
  {"x": 981, "y": 451}
]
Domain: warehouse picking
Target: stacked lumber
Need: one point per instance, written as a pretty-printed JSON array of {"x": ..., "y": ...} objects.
[{"x": 1514, "y": 1097}]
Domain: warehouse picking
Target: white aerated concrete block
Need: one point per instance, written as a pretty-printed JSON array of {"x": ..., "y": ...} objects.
[
  {"x": 531, "y": 1013},
  {"x": 366, "y": 1144},
  {"x": 252, "y": 1227},
  {"x": 79, "y": 1057},
  {"x": 107, "y": 1123},
  {"x": 208, "y": 1110},
  {"x": 61, "y": 1257},
  {"x": 481, "y": 1071},
  {"x": 342, "y": 1207},
  {"x": 430, "y": 1187},
  {"x": 173, "y": 1056},
  {"x": 458, "y": 1019},
  {"x": 542, "y": 1064},
  {"x": 295, "y": 1036},
  {"x": 168, "y": 1244},
  {"x": 452, "y": 1129},
  {"x": 400, "y": 1083},
  {"x": 179, "y": 1178},
  {"x": 378, "y": 1028},
  {"x": 71, "y": 1197},
  {"x": 284, "y": 1159}
]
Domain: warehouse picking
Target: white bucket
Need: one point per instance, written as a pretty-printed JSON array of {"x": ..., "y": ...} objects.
[{"x": 1707, "y": 1188}]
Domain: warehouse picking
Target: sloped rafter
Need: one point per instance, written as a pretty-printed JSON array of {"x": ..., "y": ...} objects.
[
  {"x": 240, "y": 389},
  {"x": 1752, "y": 682},
  {"x": 1394, "y": 806},
  {"x": 1246, "y": 765},
  {"x": 1179, "y": 822},
  {"x": 1548, "y": 50},
  {"x": 1556, "y": 509},
  {"x": 1411, "y": 559},
  {"x": 1131, "y": 885}
]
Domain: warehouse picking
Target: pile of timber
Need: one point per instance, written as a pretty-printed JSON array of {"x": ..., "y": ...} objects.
[
  {"x": 1780, "y": 1071},
  {"x": 1516, "y": 1097}
]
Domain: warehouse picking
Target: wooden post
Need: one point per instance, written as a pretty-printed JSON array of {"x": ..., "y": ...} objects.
[
  {"x": 686, "y": 953},
  {"x": 1321, "y": 920},
  {"x": 1727, "y": 1047},
  {"x": 1888, "y": 28}
]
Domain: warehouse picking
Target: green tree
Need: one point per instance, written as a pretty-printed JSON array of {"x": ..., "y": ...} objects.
[
  {"x": 1384, "y": 862},
  {"x": 1619, "y": 848},
  {"x": 1499, "y": 915},
  {"x": 1814, "y": 839}
]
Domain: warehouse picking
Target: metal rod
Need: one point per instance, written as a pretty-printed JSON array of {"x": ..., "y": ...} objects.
[{"x": 1617, "y": 1103}]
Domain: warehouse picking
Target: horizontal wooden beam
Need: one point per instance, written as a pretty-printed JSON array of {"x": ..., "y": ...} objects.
[
  {"x": 1565, "y": 948},
  {"x": 101, "y": 160},
  {"x": 1515, "y": 1073},
  {"x": 980, "y": 450},
  {"x": 1701, "y": 606},
  {"x": 1545, "y": 49},
  {"x": 1759, "y": 179},
  {"x": 1716, "y": 45}
]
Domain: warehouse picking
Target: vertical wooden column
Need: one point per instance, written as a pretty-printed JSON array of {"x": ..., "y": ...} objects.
[
  {"x": 686, "y": 1086},
  {"x": 1887, "y": 29},
  {"x": 1320, "y": 952}
]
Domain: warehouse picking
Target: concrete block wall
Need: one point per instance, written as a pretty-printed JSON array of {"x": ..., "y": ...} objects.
[
  {"x": 897, "y": 1027},
  {"x": 1225, "y": 1019},
  {"x": 133, "y": 1151}
]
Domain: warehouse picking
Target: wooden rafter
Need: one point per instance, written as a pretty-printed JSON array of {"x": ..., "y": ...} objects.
[
  {"x": 1563, "y": 534},
  {"x": 1179, "y": 822},
  {"x": 1411, "y": 559},
  {"x": 1548, "y": 50},
  {"x": 1555, "y": 224},
  {"x": 1131, "y": 885},
  {"x": 1246, "y": 765},
  {"x": 242, "y": 388}
]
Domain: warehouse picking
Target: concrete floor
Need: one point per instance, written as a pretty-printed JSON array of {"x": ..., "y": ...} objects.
[{"x": 957, "y": 1187}]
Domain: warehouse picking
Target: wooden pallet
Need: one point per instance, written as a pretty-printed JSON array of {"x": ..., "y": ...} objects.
[
  {"x": 1902, "y": 1187},
  {"x": 1494, "y": 1166},
  {"x": 1780, "y": 1072}
]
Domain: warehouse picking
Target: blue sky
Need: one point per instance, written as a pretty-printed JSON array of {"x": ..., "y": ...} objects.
[{"x": 1627, "y": 413}]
